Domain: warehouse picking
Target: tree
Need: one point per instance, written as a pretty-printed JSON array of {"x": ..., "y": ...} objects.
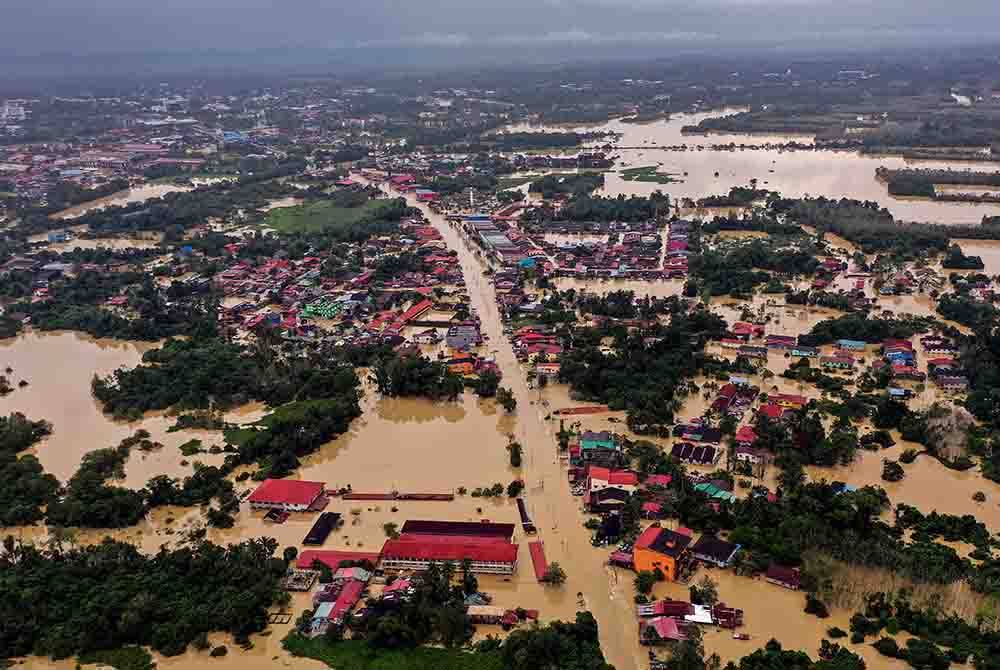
[
  {"x": 487, "y": 384},
  {"x": 470, "y": 584},
  {"x": 515, "y": 450},
  {"x": 290, "y": 554},
  {"x": 707, "y": 591},
  {"x": 644, "y": 582},
  {"x": 563, "y": 436},
  {"x": 689, "y": 654},
  {"x": 554, "y": 574},
  {"x": 506, "y": 399},
  {"x": 892, "y": 471}
]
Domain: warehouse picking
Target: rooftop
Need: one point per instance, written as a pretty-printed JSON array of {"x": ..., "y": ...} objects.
[{"x": 288, "y": 491}]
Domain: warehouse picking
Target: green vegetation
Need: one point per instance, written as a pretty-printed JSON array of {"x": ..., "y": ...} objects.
[
  {"x": 650, "y": 174},
  {"x": 208, "y": 371},
  {"x": 164, "y": 601},
  {"x": 124, "y": 658},
  {"x": 539, "y": 140},
  {"x": 552, "y": 185},
  {"x": 584, "y": 207},
  {"x": 90, "y": 502},
  {"x": 357, "y": 655},
  {"x": 737, "y": 269},
  {"x": 390, "y": 642},
  {"x": 416, "y": 376},
  {"x": 642, "y": 371},
  {"x": 506, "y": 399},
  {"x": 77, "y": 304},
  {"x": 332, "y": 216},
  {"x": 26, "y": 488},
  {"x": 773, "y": 657},
  {"x": 739, "y": 196},
  {"x": 938, "y": 640},
  {"x": 864, "y": 328}
]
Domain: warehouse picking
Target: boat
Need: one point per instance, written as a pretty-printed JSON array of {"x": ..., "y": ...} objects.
[{"x": 741, "y": 636}]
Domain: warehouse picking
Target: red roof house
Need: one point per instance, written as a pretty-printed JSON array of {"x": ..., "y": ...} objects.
[
  {"x": 537, "y": 550},
  {"x": 292, "y": 495},
  {"x": 333, "y": 559}
]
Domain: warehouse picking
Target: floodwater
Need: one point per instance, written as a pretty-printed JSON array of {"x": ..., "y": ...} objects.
[
  {"x": 120, "y": 199},
  {"x": 927, "y": 485},
  {"x": 988, "y": 250},
  {"x": 794, "y": 173},
  {"x": 59, "y": 367},
  {"x": 145, "y": 240},
  {"x": 765, "y": 605},
  {"x": 661, "y": 288}
]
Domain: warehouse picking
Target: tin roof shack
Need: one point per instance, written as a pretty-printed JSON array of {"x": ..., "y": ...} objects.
[
  {"x": 783, "y": 576},
  {"x": 334, "y": 559},
  {"x": 711, "y": 549},
  {"x": 661, "y": 630},
  {"x": 325, "y": 524},
  {"x": 290, "y": 495}
]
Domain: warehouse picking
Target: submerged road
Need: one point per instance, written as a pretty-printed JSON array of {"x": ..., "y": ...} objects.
[{"x": 556, "y": 513}]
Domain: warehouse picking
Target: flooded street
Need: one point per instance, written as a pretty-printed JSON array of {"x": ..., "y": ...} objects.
[
  {"x": 703, "y": 171},
  {"x": 555, "y": 511}
]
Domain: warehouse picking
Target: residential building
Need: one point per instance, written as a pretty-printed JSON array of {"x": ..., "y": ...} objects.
[
  {"x": 663, "y": 549},
  {"x": 710, "y": 549}
]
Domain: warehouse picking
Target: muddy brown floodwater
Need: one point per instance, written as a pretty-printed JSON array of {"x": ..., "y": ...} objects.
[
  {"x": 59, "y": 367},
  {"x": 834, "y": 174},
  {"x": 120, "y": 199}
]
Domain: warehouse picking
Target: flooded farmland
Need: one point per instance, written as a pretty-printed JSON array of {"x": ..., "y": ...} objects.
[{"x": 703, "y": 171}]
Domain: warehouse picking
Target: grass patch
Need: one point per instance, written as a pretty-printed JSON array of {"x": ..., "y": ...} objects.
[
  {"x": 192, "y": 447},
  {"x": 650, "y": 174},
  {"x": 513, "y": 182},
  {"x": 237, "y": 436},
  {"x": 322, "y": 216},
  {"x": 357, "y": 655},
  {"x": 126, "y": 658}
]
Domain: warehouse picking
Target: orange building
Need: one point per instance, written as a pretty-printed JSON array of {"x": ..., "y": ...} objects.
[
  {"x": 660, "y": 548},
  {"x": 462, "y": 366}
]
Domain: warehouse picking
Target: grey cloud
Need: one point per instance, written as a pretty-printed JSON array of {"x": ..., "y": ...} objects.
[{"x": 86, "y": 26}]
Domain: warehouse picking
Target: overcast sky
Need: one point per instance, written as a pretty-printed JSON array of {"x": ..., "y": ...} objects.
[{"x": 87, "y": 26}]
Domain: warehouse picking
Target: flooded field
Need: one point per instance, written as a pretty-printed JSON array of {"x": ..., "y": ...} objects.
[
  {"x": 120, "y": 199},
  {"x": 145, "y": 240},
  {"x": 59, "y": 367},
  {"x": 704, "y": 171},
  {"x": 988, "y": 250}
]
